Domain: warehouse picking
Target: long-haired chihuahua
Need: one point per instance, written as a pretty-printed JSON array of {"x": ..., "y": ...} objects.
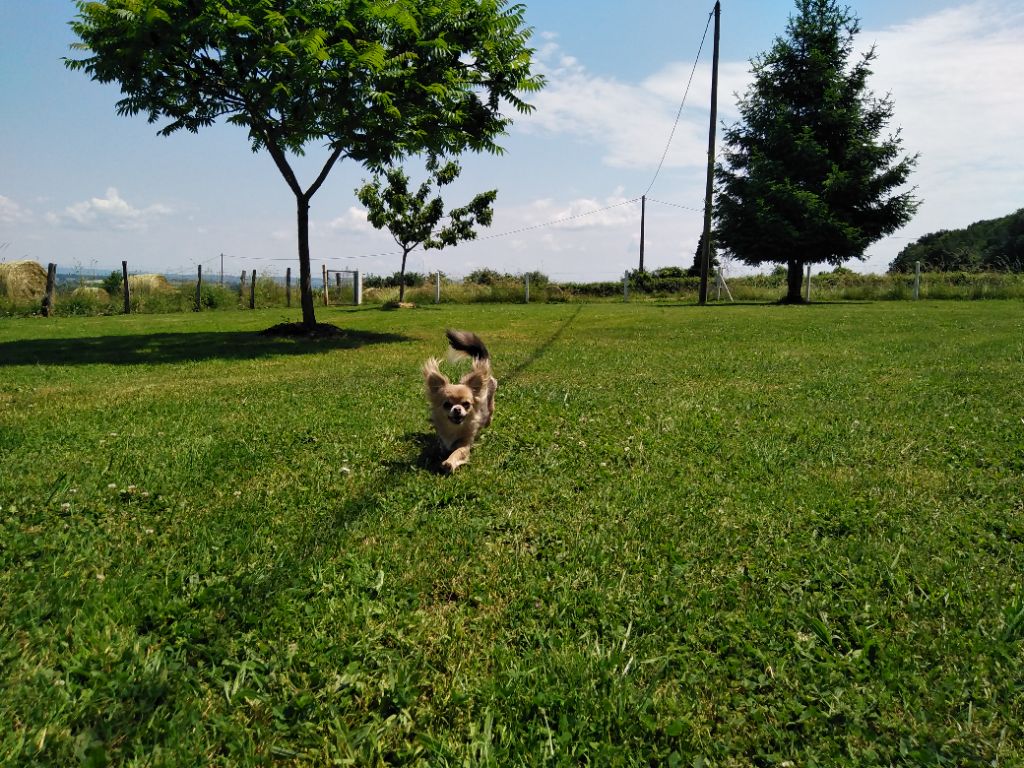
[{"x": 459, "y": 411}]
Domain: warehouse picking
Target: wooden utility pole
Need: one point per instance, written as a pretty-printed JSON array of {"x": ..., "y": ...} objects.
[
  {"x": 51, "y": 289},
  {"x": 643, "y": 215},
  {"x": 127, "y": 288},
  {"x": 199, "y": 289},
  {"x": 705, "y": 260}
]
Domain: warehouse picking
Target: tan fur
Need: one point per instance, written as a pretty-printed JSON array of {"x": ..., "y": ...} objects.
[{"x": 459, "y": 411}]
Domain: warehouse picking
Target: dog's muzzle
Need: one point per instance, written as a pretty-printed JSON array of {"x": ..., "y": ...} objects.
[{"x": 456, "y": 415}]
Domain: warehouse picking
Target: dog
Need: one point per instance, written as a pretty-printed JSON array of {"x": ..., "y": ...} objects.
[{"x": 459, "y": 411}]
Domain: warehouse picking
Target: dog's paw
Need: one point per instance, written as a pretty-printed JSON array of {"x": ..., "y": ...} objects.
[{"x": 448, "y": 466}]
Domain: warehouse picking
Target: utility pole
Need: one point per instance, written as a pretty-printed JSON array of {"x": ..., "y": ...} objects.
[
  {"x": 705, "y": 261},
  {"x": 643, "y": 215}
]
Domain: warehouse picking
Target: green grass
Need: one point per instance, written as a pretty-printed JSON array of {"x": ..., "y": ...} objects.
[{"x": 730, "y": 536}]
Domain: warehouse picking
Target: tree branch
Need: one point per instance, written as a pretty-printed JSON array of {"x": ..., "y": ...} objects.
[{"x": 324, "y": 171}]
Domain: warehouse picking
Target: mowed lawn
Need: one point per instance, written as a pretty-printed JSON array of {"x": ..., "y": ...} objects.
[{"x": 722, "y": 536}]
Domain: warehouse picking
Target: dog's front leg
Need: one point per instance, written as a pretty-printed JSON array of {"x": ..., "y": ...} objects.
[{"x": 457, "y": 458}]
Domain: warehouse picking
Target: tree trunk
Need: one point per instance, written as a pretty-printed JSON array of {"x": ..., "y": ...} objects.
[
  {"x": 401, "y": 278},
  {"x": 305, "y": 273},
  {"x": 794, "y": 281}
]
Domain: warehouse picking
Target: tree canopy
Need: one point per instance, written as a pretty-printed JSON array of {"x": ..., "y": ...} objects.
[
  {"x": 991, "y": 245},
  {"x": 369, "y": 80},
  {"x": 414, "y": 217},
  {"x": 807, "y": 176}
]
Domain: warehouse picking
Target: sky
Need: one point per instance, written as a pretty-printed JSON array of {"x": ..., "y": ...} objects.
[{"x": 85, "y": 188}]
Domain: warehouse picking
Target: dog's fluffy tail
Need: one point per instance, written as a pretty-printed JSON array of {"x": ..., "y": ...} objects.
[{"x": 470, "y": 343}]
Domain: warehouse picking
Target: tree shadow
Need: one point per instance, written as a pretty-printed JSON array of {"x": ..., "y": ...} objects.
[
  {"x": 160, "y": 348},
  {"x": 543, "y": 347}
]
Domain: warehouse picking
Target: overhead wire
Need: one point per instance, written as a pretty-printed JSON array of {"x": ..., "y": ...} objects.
[{"x": 682, "y": 103}]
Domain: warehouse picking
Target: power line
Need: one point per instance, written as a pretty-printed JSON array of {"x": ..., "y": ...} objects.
[
  {"x": 562, "y": 220},
  {"x": 681, "y": 105},
  {"x": 675, "y": 205}
]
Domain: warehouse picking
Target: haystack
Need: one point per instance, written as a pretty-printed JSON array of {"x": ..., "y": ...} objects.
[
  {"x": 22, "y": 281},
  {"x": 149, "y": 284},
  {"x": 90, "y": 293}
]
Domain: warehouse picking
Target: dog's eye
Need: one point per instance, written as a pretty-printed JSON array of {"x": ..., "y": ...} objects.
[
  {"x": 446, "y": 405},
  {"x": 466, "y": 405}
]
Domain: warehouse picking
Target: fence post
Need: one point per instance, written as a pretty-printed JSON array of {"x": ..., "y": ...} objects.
[
  {"x": 288, "y": 287},
  {"x": 199, "y": 289},
  {"x": 357, "y": 287},
  {"x": 327, "y": 296},
  {"x": 917, "y": 280},
  {"x": 807, "y": 289},
  {"x": 51, "y": 284},
  {"x": 252, "y": 291},
  {"x": 241, "y": 288},
  {"x": 127, "y": 288},
  {"x": 437, "y": 288},
  {"x": 527, "y": 276},
  {"x": 625, "y": 286}
]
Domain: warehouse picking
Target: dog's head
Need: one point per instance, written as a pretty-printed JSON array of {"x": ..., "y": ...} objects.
[{"x": 456, "y": 402}]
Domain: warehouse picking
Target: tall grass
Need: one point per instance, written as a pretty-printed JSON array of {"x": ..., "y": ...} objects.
[{"x": 845, "y": 286}]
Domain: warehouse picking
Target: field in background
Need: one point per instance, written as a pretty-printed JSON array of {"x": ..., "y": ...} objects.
[
  {"x": 82, "y": 295},
  {"x": 731, "y": 536}
]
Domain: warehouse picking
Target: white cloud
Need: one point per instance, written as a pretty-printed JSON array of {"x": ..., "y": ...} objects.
[
  {"x": 580, "y": 213},
  {"x": 353, "y": 220},
  {"x": 630, "y": 123},
  {"x": 12, "y": 212},
  {"x": 110, "y": 212},
  {"x": 955, "y": 79},
  {"x": 958, "y": 96}
]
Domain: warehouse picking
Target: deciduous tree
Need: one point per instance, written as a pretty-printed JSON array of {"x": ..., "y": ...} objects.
[
  {"x": 414, "y": 218},
  {"x": 369, "y": 80}
]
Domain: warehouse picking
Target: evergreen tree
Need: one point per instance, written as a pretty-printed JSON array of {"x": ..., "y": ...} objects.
[
  {"x": 807, "y": 176},
  {"x": 698, "y": 257}
]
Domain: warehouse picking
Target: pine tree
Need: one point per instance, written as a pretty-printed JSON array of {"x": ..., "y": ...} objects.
[{"x": 807, "y": 175}]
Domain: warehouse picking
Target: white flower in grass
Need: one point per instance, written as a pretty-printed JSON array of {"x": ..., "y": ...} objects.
[
  {"x": 238, "y": 493},
  {"x": 112, "y": 486},
  {"x": 65, "y": 507}
]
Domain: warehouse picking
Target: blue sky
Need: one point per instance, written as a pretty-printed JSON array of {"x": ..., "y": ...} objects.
[{"x": 81, "y": 186}]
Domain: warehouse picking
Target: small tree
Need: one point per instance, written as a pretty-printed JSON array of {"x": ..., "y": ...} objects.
[
  {"x": 698, "y": 257},
  {"x": 372, "y": 80},
  {"x": 807, "y": 176},
  {"x": 412, "y": 218}
]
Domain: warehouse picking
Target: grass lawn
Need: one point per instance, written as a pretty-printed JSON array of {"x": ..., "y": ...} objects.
[{"x": 729, "y": 536}]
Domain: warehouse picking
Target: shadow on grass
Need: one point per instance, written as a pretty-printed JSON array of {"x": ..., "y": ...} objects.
[
  {"x": 754, "y": 303},
  {"x": 428, "y": 454},
  {"x": 160, "y": 348},
  {"x": 542, "y": 348}
]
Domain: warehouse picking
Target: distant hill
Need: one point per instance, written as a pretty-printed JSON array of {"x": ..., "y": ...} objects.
[{"x": 995, "y": 245}]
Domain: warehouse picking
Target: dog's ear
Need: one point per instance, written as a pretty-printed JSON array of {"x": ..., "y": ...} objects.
[
  {"x": 476, "y": 381},
  {"x": 433, "y": 378}
]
